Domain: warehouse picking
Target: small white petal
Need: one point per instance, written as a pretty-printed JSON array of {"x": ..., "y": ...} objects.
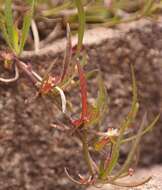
[{"x": 112, "y": 132}]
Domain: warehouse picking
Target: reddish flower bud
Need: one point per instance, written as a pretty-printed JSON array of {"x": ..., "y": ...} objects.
[{"x": 48, "y": 84}]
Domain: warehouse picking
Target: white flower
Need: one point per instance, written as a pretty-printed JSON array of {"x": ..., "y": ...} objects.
[{"x": 111, "y": 132}]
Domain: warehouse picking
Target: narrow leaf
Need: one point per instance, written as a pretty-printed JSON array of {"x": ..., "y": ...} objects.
[
  {"x": 128, "y": 161},
  {"x": 101, "y": 104},
  {"x": 101, "y": 168},
  {"x": 126, "y": 123},
  {"x": 5, "y": 35},
  {"x": 68, "y": 53},
  {"x": 56, "y": 10},
  {"x": 9, "y": 20},
  {"x": 26, "y": 25},
  {"x": 63, "y": 98},
  {"x": 93, "y": 116},
  {"x": 83, "y": 91},
  {"x": 97, "y": 112},
  {"x": 147, "y": 7},
  {"x": 81, "y": 17},
  {"x": 149, "y": 128},
  {"x": 16, "y": 39}
]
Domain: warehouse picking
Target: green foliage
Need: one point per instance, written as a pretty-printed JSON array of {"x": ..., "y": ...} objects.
[
  {"x": 9, "y": 29},
  {"x": 91, "y": 116},
  {"x": 81, "y": 18},
  {"x": 114, "y": 138},
  {"x": 26, "y": 25},
  {"x": 105, "y": 13},
  {"x": 9, "y": 21}
]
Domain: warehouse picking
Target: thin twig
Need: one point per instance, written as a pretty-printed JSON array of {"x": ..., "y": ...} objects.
[
  {"x": 63, "y": 98},
  {"x": 10, "y": 80},
  {"x": 61, "y": 127},
  {"x": 34, "y": 77},
  {"x": 86, "y": 154},
  {"x": 132, "y": 184},
  {"x": 71, "y": 178},
  {"x": 35, "y": 35},
  {"x": 68, "y": 53}
]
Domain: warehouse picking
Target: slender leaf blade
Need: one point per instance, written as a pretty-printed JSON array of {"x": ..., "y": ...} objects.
[
  {"x": 81, "y": 17},
  {"x": 132, "y": 151},
  {"x": 126, "y": 123},
  {"x": 9, "y": 20},
  {"x": 26, "y": 25}
]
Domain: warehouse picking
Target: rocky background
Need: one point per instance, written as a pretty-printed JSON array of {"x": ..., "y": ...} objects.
[{"x": 32, "y": 154}]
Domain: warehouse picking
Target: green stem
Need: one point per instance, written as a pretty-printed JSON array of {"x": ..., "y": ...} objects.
[
  {"x": 128, "y": 161},
  {"x": 86, "y": 154},
  {"x": 126, "y": 123}
]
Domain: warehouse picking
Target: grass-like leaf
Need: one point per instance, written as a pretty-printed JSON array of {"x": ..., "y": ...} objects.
[
  {"x": 149, "y": 128},
  {"x": 5, "y": 34},
  {"x": 16, "y": 39},
  {"x": 126, "y": 123},
  {"x": 101, "y": 168},
  {"x": 81, "y": 17},
  {"x": 26, "y": 25},
  {"x": 147, "y": 7},
  {"x": 58, "y": 9},
  {"x": 9, "y": 20},
  {"x": 101, "y": 103},
  {"x": 10, "y": 31},
  {"x": 128, "y": 161},
  {"x": 97, "y": 112},
  {"x": 68, "y": 54}
]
